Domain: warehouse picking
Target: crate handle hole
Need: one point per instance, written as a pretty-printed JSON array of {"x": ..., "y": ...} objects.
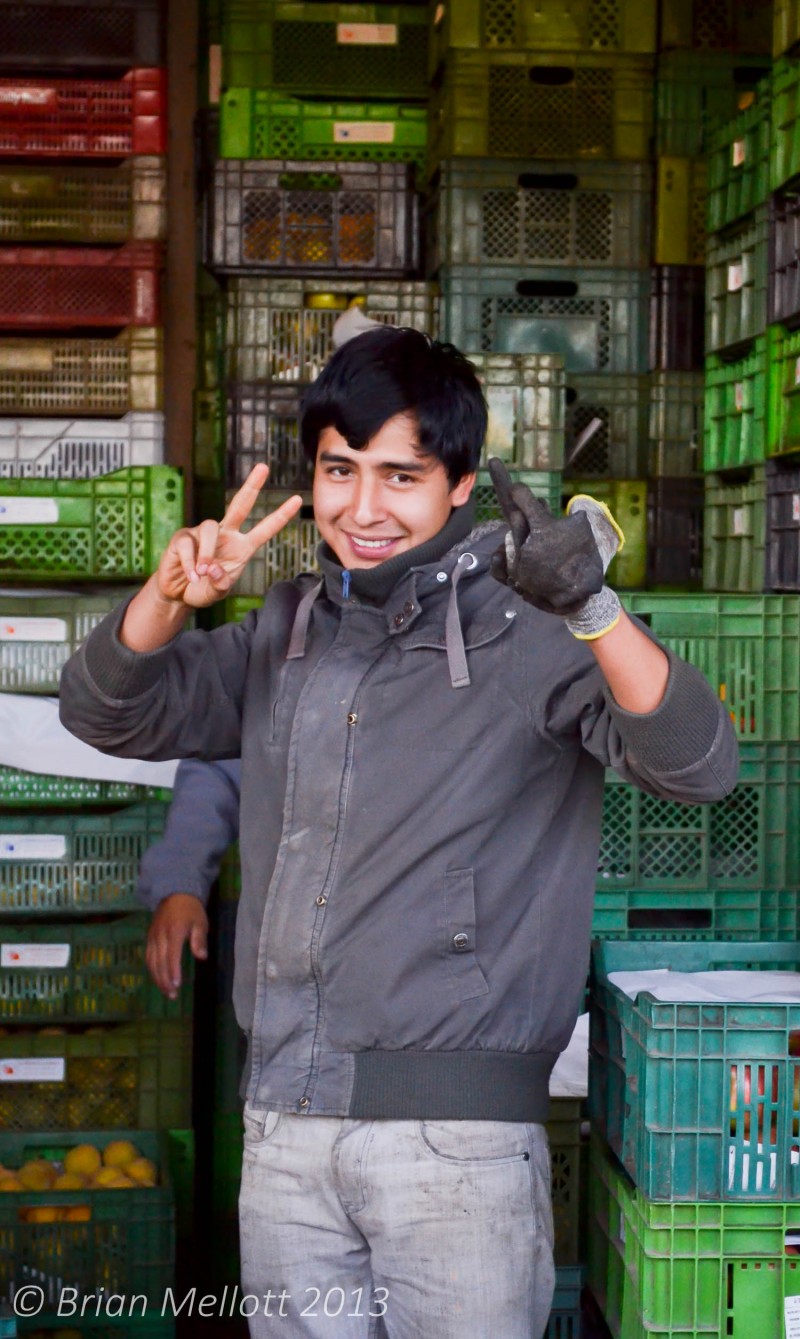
[
  {"x": 555, "y": 75},
  {"x": 547, "y": 288},
  {"x": 548, "y": 181}
]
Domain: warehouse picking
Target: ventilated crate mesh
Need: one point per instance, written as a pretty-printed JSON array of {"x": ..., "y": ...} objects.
[
  {"x": 615, "y": 407},
  {"x": 90, "y": 33},
  {"x": 276, "y": 136},
  {"x": 36, "y": 789},
  {"x": 562, "y": 121},
  {"x": 97, "y": 1091},
  {"x": 263, "y": 425},
  {"x": 55, "y": 449},
  {"x": 783, "y": 524},
  {"x": 99, "y": 867},
  {"x": 291, "y": 551},
  {"x": 496, "y": 312},
  {"x": 75, "y": 117},
  {"x": 547, "y": 225},
  {"x": 304, "y": 55},
  {"x": 81, "y": 376},
  {"x": 542, "y": 483},
  {"x": 86, "y": 204},
  {"x": 600, "y": 28},
  {"x": 309, "y": 227}
]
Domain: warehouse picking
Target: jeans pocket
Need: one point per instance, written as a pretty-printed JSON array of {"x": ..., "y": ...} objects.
[
  {"x": 259, "y": 1124},
  {"x": 475, "y": 1141}
]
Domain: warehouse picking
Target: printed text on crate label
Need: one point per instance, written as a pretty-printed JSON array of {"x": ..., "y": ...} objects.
[
  {"x": 33, "y": 1069},
  {"x": 791, "y": 1307},
  {"x": 34, "y": 955},
  {"x": 28, "y": 511},
  {"x": 33, "y": 629},
  {"x": 36, "y": 846},
  {"x": 367, "y": 34},
  {"x": 363, "y": 132}
]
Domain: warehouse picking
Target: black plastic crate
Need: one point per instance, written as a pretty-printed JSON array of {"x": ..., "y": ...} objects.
[
  {"x": 80, "y": 35},
  {"x": 784, "y": 258},
  {"x": 263, "y": 424},
  {"x": 265, "y": 217},
  {"x": 675, "y": 533},
  {"x": 677, "y": 318},
  {"x": 783, "y": 524}
]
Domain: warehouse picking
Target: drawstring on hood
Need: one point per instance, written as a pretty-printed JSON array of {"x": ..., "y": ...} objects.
[
  {"x": 454, "y": 637},
  {"x": 297, "y": 641}
]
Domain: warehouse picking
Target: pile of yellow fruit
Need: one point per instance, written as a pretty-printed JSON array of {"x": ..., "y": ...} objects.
[{"x": 120, "y": 1166}]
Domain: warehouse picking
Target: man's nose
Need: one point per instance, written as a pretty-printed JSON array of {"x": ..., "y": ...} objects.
[{"x": 366, "y": 507}]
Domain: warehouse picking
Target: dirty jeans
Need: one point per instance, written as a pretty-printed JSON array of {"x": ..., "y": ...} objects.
[{"x": 362, "y": 1229}]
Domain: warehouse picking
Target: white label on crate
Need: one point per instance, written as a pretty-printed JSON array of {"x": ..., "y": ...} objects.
[
  {"x": 797, "y": 372},
  {"x": 796, "y": 506},
  {"x": 34, "y": 955},
  {"x": 738, "y": 152},
  {"x": 33, "y": 629},
  {"x": 735, "y": 276},
  {"x": 44, "y": 846},
  {"x": 791, "y": 1312},
  {"x": 28, "y": 511},
  {"x": 367, "y": 34},
  {"x": 738, "y": 521},
  {"x": 28, "y": 97},
  {"x": 33, "y": 1069},
  {"x": 26, "y": 358},
  {"x": 738, "y": 396},
  {"x": 363, "y": 132}
]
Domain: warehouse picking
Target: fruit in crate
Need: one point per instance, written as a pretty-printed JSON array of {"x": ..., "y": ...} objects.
[{"x": 84, "y": 1159}]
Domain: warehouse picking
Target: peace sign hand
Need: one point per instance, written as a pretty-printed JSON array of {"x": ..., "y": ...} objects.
[{"x": 201, "y": 564}]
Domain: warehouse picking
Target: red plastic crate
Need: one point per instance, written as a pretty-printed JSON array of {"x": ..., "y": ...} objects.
[
  {"x": 58, "y": 288},
  {"x": 78, "y": 118}
]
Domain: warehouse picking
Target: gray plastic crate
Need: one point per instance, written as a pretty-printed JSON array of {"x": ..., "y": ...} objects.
[
  {"x": 40, "y": 631},
  {"x": 83, "y": 203},
  {"x": 676, "y": 424},
  {"x": 280, "y": 329},
  {"x": 263, "y": 425},
  {"x": 483, "y": 211},
  {"x": 291, "y": 551},
  {"x": 615, "y": 448},
  {"x": 597, "y": 320},
  {"x": 312, "y": 218},
  {"x": 78, "y": 449},
  {"x": 525, "y": 395}
]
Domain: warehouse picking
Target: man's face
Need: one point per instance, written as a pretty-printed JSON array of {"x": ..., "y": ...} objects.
[{"x": 388, "y": 498}]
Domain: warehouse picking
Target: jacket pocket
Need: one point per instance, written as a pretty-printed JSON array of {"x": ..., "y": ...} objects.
[{"x": 460, "y": 930}]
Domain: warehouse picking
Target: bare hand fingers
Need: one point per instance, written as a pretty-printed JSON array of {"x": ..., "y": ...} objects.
[
  {"x": 272, "y": 524},
  {"x": 205, "y": 535},
  {"x": 242, "y": 502},
  {"x": 183, "y": 547}
]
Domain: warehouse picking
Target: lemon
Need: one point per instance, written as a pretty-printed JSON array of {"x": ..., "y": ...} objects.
[
  {"x": 83, "y": 1158},
  {"x": 76, "y": 1213},
  {"x": 106, "y": 1177},
  {"x": 37, "y": 1174},
  {"x": 11, "y": 1182},
  {"x": 42, "y": 1213},
  {"x": 143, "y": 1171},
  {"x": 119, "y": 1153},
  {"x": 69, "y": 1181}
]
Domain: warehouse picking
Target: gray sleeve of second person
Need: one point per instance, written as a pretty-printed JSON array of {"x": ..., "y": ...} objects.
[{"x": 202, "y": 822}]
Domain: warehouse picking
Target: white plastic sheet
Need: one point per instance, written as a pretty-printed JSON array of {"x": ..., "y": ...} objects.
[{"x": 717, "y": 987}]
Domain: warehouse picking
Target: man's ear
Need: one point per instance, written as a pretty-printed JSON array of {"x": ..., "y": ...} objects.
[{"x": 462, "y": 490}]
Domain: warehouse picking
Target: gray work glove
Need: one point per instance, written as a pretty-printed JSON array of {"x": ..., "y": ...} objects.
[{"x": 558, "y": 564}]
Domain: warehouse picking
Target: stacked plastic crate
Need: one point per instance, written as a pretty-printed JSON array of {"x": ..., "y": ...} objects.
[
  {"x": 90, "y": 1052},
  {"x": 311, "y": 207}
]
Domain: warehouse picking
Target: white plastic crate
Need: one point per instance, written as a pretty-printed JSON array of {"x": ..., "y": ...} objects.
[
  {"x": 62, "y": 448},
  {"x": 40, "y": 630},
  {"x": 525, "y": 395}
]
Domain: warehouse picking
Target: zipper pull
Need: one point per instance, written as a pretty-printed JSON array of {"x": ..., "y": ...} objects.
[{"x": 346, "y": 584}]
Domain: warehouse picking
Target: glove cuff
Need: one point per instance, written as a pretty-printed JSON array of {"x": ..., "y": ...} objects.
[{"x": 596, "y": 617}]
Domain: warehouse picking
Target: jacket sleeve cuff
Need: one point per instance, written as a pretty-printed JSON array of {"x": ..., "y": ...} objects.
[
  {"x": 161, "y": 889},
  {"x": 681, "y": 730},
  {"x": 114, "y": 669}
]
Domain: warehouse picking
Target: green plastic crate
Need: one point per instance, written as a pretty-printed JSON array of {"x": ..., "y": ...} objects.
[
  {"x": 751, "y": 839},
  {"x": 736, "y": 283},
  {"x": 280, "y": 329},
  {"x": 36, "y": 790},
  {"x": 681, "y": 203},
  {"x": 627, "y": 500},
  {"x": 734, "y": 542},
  {"x": 129, "y": 1249},
  {"x": 675, "y": 433},
  {"x": 748, "y": 648},
  {"x": 783, "y": 369},
  {"x": 517, "y": 104},
  {"x": 110, "y": 1078},
  {"x": 233, "y": 610},
  {"x": 83, "y": 973},
  {"x": 111, "y": 528},
  {"x": 785, "y": 156},
  {"x": 617, "y": 405},
  {"x": 687, "y": 1271},
  {"x": 695, "y": 89},
  {"x": 785, "y": 26},
  {"x": 717, "y": 24},
  {"x": 597, "y": 320},
  {"x": 518, "y": 213},
  {"x": 75, "y": 864},
  {"x": 736, "y": 409},
  {"x": 544, "y": 484},
  {"x": 51, "y": 375},
  {"x": 699, "y": 1101},
  {"x": 83, "y": 203},
  {"x": 739, "y": 159},
  {"x": 497, "y": 25},
  {"x": 257, "y": 123},
  {"x": 350, "y": 50},
  {"x": 631, "y": 914},
  {"x": 32, "y": 651}
]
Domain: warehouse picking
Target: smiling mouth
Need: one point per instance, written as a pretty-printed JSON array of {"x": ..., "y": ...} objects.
[{"x": 374, "y": 545}]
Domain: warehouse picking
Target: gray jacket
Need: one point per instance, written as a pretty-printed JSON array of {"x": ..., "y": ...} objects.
[
  {"x": 422, "y": 786},
  {"x": 202, "y": 822}
]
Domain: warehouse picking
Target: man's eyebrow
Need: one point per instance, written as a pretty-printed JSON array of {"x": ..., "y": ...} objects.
[{"x": 402, "y": 467}]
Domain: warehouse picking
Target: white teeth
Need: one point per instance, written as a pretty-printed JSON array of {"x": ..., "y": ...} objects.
[{"x": 371, "y": 543}]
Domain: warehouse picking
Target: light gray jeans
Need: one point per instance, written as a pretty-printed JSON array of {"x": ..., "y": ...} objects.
[{"x": 360, "y": 1229}]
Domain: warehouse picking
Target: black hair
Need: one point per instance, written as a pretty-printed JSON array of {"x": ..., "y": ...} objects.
[{"x": 392, "y": 370}]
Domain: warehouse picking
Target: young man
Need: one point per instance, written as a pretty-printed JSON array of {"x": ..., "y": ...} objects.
[{"x": 423, "y": 735}]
